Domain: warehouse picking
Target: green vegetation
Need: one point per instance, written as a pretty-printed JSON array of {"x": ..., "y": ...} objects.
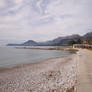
[
  {"x": 89, "y": 48},
  {"x": 79, "y": 41}
]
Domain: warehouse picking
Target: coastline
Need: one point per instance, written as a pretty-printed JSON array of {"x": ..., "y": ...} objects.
[
  {"x": 66, "y": 48},
  {"x": 54, "y": 75},
  {"x": 4, "y": 69}
]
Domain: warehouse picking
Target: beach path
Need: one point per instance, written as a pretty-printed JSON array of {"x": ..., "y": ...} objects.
[{"x": 84, "y": 74}]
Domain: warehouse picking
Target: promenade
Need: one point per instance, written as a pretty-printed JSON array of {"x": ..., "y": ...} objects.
[{"x": 84, "y": 75}]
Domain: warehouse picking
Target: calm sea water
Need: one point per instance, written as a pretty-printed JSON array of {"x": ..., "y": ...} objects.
[{"x": 10, "y": 56}]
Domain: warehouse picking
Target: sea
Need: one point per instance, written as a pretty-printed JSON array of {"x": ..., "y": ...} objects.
[{"x": 11, "y": 56}]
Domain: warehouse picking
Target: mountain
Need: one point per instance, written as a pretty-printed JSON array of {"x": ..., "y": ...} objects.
[
  {"x": 87, "y": 36},
  {"x": 27, "y": 43},
  {"x": 30, "y": 43},
  {"x": 64, "y": 40},
  {"x": 56, "y": 42}
]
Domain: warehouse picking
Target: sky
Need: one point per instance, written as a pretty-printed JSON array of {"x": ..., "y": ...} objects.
[{"x": 42, "y": 20}]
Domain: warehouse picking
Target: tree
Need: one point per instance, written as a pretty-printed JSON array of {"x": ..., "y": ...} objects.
[
  {"x": 72, "y": 42},
  {"x": 79, "y": 41}
]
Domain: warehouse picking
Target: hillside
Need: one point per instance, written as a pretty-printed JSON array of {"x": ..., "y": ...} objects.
[{"x": 58, "y": 41}]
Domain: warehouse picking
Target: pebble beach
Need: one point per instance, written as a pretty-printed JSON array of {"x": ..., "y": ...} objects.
[{"x": 53, "y": 75}]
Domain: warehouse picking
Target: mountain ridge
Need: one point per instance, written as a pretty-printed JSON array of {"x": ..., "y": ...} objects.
[{"x": 59, "y": 41}]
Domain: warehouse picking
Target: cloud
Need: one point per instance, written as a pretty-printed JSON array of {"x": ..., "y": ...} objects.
[
  {"x": 2, "y": 3},
  {"x": 44, "y": 19}
]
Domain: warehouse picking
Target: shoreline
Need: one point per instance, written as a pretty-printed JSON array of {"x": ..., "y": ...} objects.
[
  {"x": 66, "y": 48},
  {"x": 69, "y": 49},
  {"x": 52, "y": 76},
  {"x": 29, "y": 64}
]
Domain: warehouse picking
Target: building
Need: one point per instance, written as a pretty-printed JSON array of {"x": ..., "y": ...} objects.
[{"x": 82, "y": 46}]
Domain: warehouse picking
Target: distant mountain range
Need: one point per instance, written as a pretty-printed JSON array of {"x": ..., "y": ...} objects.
[{"x": 56, "y": 42}]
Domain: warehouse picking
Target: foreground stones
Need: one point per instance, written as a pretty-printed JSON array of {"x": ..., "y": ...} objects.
[{"x": 54, "y": 75}]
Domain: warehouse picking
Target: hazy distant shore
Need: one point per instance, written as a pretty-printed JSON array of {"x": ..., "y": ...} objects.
[
  {"x": 65, "y": 48},
  {"x": 56, "y": 75}
]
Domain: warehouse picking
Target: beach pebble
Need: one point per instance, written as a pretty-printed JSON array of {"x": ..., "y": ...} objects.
[{"x": 54, "y": 75}]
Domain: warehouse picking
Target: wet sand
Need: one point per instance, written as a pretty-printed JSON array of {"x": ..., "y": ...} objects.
[{"x": 54, "y": 75}]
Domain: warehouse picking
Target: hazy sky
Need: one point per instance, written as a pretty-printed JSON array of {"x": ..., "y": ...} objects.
[{"x": 43, "y": 19}]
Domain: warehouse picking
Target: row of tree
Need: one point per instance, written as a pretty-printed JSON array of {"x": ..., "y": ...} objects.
[{"x": 79, "y": 41}]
